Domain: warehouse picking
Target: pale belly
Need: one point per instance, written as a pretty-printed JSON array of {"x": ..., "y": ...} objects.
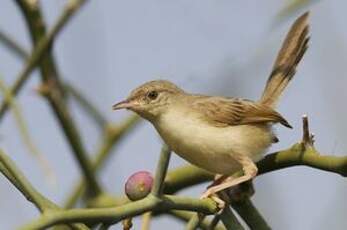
[{"x": 212, "y": 148}]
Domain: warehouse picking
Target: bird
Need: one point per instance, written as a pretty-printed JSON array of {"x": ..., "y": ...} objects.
[{"x": 222, "y": 135}]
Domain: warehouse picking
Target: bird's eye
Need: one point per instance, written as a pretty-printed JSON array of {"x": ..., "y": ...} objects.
[{"x": 152, "y": 95}]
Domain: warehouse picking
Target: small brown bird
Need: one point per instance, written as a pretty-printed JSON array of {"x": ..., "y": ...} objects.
[{"x": 219, "y": 134}]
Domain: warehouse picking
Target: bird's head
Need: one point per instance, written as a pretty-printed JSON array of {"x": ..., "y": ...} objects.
[{"x": 151, "y": 99}]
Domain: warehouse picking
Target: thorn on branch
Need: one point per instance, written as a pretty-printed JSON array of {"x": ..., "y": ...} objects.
[
  {"x": 127, "y": 224},
  {"x": 307, "y": 138}
]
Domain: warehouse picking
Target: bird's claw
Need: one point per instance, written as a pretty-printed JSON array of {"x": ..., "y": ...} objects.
[{"x": 220, "y": 203}]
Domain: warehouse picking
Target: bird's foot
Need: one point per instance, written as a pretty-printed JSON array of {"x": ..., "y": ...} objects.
[{"x": 220, "y": 203}]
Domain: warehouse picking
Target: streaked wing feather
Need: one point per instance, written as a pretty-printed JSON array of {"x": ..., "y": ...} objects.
[{"x": 235, "y": 111}]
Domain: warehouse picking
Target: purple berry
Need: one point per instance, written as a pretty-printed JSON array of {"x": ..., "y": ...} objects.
[{"x": 139, "y": 185}]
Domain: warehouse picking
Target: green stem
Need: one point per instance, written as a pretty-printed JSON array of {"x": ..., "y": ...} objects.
[
  {"x": 160, "y": 174},
  {"x": 113, "y": 215},
  {"x": 297, "y": 155},
  {"x": 250, "y": 215},
  {"x": 229, "y": 220}
]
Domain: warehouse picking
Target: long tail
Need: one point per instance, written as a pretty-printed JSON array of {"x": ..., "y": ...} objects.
[{"x": 292, "y": 51}]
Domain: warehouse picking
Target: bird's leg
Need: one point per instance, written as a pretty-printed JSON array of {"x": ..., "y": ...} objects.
[
  {"x": 250, "y": 171},
  {"x": 218, "y": 179}
]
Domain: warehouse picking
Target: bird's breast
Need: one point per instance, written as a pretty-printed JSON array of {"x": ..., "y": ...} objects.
[{"x": 210, "y": 147}]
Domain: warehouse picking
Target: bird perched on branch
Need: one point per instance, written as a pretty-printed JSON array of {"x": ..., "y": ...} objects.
[{"x": 219, "y": 134}]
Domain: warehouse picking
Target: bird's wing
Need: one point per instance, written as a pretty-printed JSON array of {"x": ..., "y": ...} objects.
[{"x": 235, "y": 111}]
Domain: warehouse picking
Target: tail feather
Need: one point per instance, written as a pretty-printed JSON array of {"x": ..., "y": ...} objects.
[{"x": 292, "y": 51}]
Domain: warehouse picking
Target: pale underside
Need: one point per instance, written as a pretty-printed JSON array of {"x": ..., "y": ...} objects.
[{"x": 209, "y": 146}]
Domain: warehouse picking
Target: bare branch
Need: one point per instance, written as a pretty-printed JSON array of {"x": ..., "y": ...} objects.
[{"x": 13, "y": 46}]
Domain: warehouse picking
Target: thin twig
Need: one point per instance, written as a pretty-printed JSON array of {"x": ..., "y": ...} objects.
[
  {"x": 13, "y": 46},
  {"x": 160, "y": 174}
]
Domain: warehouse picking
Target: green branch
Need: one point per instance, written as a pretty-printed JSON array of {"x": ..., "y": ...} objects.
[
  {"x": 298, "y": 155},
  {"x": 114, "y": 215},
  {"x": 229, "y": 220},
  {"x": 160, "y": 174},
  {"x": 250, "y": 215}
]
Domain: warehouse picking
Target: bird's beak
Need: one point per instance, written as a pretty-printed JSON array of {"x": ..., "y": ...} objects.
[{"x": 126, "y": 104}]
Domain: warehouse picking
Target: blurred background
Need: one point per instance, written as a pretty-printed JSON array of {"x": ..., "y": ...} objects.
[{"x": 212, "y": 47}]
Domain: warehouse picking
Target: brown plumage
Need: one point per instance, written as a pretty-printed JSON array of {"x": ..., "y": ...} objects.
[
  {"x": 292, "y": 51},
  {"x": 235, "y": 111}
]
